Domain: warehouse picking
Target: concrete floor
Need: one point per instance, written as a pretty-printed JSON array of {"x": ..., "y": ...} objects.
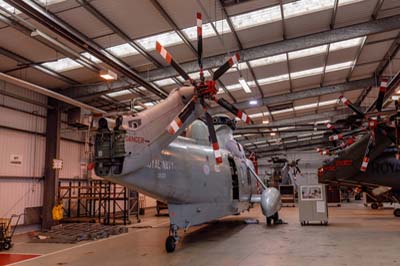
[{"x": 355, "y": 236}]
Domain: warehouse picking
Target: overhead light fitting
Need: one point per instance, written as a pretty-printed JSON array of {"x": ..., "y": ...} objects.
[
  {"x": 108, "y": 74},
  {"x": 265, "y": 121},
  {"x": 253, "y": 102},
  {"x": 244, "y": 84}
]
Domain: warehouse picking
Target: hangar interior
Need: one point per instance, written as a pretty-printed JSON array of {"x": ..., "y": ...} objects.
[{"x": 64, "y": 63}]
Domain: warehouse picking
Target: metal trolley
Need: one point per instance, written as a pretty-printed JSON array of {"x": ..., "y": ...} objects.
[{"x": 7, "y": 231}]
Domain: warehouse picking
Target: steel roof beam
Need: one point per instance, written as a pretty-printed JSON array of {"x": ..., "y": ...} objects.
[
  {"x": 63, "y": 29},
  {"x": 248, "y": 54},
  {"x": 43, "y": 69},
  {"x": 309, "y": 93}
]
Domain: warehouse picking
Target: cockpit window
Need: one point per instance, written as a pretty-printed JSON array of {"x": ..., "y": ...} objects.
[{"x": 135, "y": 123}]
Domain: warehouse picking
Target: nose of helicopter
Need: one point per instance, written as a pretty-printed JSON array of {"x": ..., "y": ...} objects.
[{"x": 270, "y": 201}]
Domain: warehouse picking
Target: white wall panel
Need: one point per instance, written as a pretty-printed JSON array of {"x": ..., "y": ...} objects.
[
  {"x": 72, "y": 155},
  {"x": 22, "y": 105},
  {"x": 16, "y": 195},
  {"x": 30, "y": 147},
  {"x": 19, "y": 120}
]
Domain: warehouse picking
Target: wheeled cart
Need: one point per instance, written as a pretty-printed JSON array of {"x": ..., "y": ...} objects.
[
  {"x": 7, "y": 231},
  {"x": 313, "y": 207}
]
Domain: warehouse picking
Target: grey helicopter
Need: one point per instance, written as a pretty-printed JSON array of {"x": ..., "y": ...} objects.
[
  {"x": 198, "y": 180},
  {"x": 368, "y": 156}
]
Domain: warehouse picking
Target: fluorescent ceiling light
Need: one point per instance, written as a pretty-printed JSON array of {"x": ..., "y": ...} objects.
[
  {"x": 253, "y": 102},
  {"x": 256, "y": 18},
  {"x": 118, "y": 93},
  {"x": 245, "y": 86},
  {"x": 273, "y": 134},
  {"x": 149, "y": 104},
  {"x": 108, "y": 74},
  {"x": 265, "y": 121}
]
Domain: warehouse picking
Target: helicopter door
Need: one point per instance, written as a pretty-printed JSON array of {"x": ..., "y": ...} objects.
[{"x": 235, "y": 179}]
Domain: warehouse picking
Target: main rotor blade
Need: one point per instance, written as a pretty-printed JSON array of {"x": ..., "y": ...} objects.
[
  {"x": 348, "y": 133},
  {"x": 231, "y": 108},
  {"x": 213, "y": 138},
  {"x": 199, "y": 23},
  {"x": 177, "y": 123},
  {"x": 381, "y": 95},
  {"x": 332, "y": 127},
  {"x": 168, "y": 58},
  {"x": 365, "y": 161},
  {"x": 222, "y": 69},
  {"x": 351, "y": 106}
]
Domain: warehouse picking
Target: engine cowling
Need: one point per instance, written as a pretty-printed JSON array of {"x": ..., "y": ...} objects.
[{"x": 270, "y": 201}]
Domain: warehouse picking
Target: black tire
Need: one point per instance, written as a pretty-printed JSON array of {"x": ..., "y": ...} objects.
[
  {"x": 269, "y": 220},
  {"x": 170, "y": 244},
  {"x": 7, "y": 245},
  {"x": 374, "y": 206},
  {"x": 397, "y": 212}
]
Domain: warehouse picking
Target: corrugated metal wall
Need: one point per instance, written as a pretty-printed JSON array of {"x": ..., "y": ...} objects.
[
  {"x": 18, "y": 194},
  {"x": 22, "y": 115}
]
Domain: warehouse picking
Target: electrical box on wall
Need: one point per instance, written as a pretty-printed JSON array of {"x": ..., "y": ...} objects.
[{"x": 78, "y": 117}]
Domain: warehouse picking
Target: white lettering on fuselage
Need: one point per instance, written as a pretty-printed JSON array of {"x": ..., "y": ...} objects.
[{"x": 161, "y": 165}]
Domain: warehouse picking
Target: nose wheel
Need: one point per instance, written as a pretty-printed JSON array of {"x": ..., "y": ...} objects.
[
  {"x": 172, "y": 239},
  {"x": 274, "y": 218}
]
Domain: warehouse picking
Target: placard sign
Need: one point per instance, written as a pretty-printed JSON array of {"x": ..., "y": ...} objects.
[
  {"x": 57, "y": 164},
  {"x": 16, "y": 159}
]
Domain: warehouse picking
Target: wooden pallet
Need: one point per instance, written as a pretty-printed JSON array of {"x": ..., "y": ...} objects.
[{"x": 75, "y": 232}]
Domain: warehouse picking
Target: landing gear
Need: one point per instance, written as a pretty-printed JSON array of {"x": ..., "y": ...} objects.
[
  {"x": 274, "y": 218},
  {"x": 397, "y": 212},
  {"x": 172, "y": 239},
  {"x": 374, "y": 205}
]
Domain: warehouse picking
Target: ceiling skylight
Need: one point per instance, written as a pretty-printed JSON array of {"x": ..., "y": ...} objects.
[
  {"x": 164, "y": 82},
  {"x": 166, "y": 39},
  {"x": 268, "y": 60},
  {"x": 256, "y": 18},
  {"x": 347, "y": 43},
  {"x": 339, "y": 66},
  {"x": 294, "y": 75},
  {"x": 295, "y": 108},
  {"x": 308, "y": 52},
  {"x": 122, "y": 50},
  {"x": 303, "y": 7},
  {"x": 208, "y": 31},
  {"x": 307, "y": 73},
  {"x": 63, "y": 64},
  {"x": 273, "y": 79}
]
